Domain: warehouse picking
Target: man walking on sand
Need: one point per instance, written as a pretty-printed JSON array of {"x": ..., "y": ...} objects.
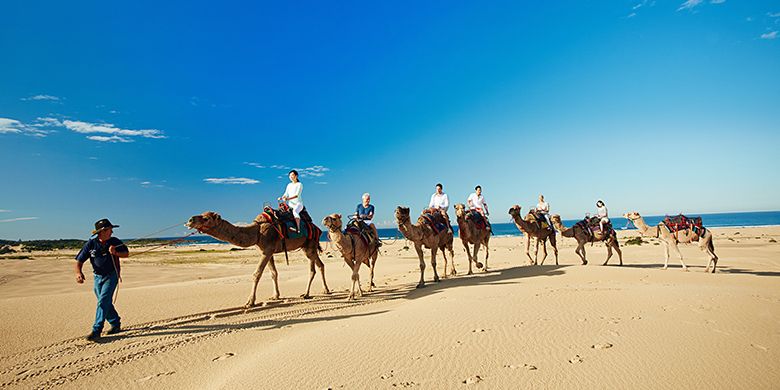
[{"x": 103, "y": 253}]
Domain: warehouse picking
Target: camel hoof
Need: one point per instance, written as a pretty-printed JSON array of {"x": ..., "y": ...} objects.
[
  {"x": 479, "y": 265},
  {"x": 274, "y": 298},
  {"x": 664, "y": 267},
  {"x": 605, "y": 263},
  {"x": 583, "y": 263},
  {"x": 326, "y": 292},
  {"x": 436, "y": 279},
  {"x": 305, "y": 296},
  {"x": 470, "y": 273},
  {"x": 372, "y": 284},
  {"x": 485, "y": 269},
  {"x": 685, "y": 269},
  {"x": 420, "y": 285}
]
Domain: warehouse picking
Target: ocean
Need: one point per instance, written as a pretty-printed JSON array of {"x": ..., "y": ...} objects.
[{"x": 759, "y": 218}]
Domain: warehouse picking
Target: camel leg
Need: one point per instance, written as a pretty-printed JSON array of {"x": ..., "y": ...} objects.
[
  {"x": 544, "y": 249},
  {"x": 355, "y": 265},
  {"x": 453, "y": 272},
  {"x": 433, "y": 264},
  {"x": 528, "y": 249},
  {"x": 666, "y": 252},
  {"x": 418, "y": 248},
  {"x": 677, "y": 249},
  {"x": 275, "y": 278},
  {"x": 617, "y": 249},
  {"x": 371, "y": 268},
  {"x": 609, "y": 254},
  {"x": 555, "y": 248},
  {"x": 256, "y": 277},
  {"x": 318, "y": 262},
  {"x": 487, "y": 254},
  {"x": 468, "y": 254},
  {"x": 583, "y": 255},
  {"x": 476, "y": 259}
]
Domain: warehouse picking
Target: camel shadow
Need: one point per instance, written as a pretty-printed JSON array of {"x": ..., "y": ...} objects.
[{"x": 731, "y": 270}]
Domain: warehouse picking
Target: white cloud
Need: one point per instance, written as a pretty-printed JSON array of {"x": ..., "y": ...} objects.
[
  {"x": 631, "y": 15},
  {"x": 103, "y": 180},
  {"x": 231, "y": 180},
  {"x": 689, "y": 4},
  {"x": 108, "y": 128},
  {"x": 280, "y": 167},
  {"x": 717, "y": 1},
  {"x": 112, "y": 139},
  {"x": 8, "y": 125},
  {"x": 18, "y": 219},
  {"x": 773, "y": 15},
  {"x": 315, "y": 171},
  {"x": 321, "y": 182},
  {"x": 5, "y": 211},
  {"x": 769, "y": 35},
  {"x": 254, "y": 164},
  {"x": 42, "y": 97}
]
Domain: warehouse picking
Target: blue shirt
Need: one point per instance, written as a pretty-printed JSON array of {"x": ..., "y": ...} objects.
[
  {"x": 364, "y": 212},
  {"x": 97, "y": 253}
]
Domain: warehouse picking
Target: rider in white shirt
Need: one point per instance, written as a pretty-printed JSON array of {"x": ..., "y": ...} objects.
[
  {"x": 292, "y": 195},
  {"x": 477, "y": 202},
  {"x": 601, "y": 212},
  {"x": 440, "y": 201},
  {"x": 543, "y": 209}
]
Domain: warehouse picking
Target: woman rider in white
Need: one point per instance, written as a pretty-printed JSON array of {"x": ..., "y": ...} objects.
[
  {"x": 543, "y": 208},
  {"x": 292, "y": 195},
  {"x": 601, "y": 212}
]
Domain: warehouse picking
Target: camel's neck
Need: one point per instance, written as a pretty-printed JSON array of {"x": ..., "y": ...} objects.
[
  {"x": 243, "y": 236},
  {"x": 338, "y": 238},
  {"x": 641, "y": 225},
  {"x": 566, "y": 232},
  {"x": 521, "y": 223},
  {"x": 410, "y": 231}
]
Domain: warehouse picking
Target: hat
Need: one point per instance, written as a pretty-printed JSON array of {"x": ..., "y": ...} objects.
[{"x": 102, "y": 225}]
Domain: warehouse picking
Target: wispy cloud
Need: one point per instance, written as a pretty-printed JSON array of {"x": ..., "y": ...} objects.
[
  {"x": 149, "y": 184},
  {"x": 773, "y": 14},
  {"x": 42, "y": 97},
  {"x": 321, "y": 182},
  {"x": 108, "y": 128},
  {"x": 637, "y": 6},
  {"x": 315, "y": 171},
  {"x": 631, "y": 15},
  {"x": 717, "y": 1},
  {"x": 103, "y": 180},
  {"x": 112, "y": 139},
  {"x": 689, "y": 5},
  {"x": 254, "y": 164},
  {"x": 18, "y": 219},
  {"x": 769, "y": 35},
  {"x": 5, "y": 211},
  {"x": 231, "y": 180},
  {"x": 8, "y": 126},
  {"x": 280, "y": 167}
]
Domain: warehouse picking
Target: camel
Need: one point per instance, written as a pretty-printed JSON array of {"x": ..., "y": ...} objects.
[
  {"x": 582, "y": 237},
  {"x": 470, "y": 234},
  {"x": 423, "y": 235},
  {"x": 354, "y": 251},
  {"x": 262, "y": 234},
  {"x": 670, "y": 240},
  {"x": 530, "y": 228}
]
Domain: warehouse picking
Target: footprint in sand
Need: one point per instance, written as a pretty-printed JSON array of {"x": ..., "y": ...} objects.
[
  {"x": 159, "y": 374},
  {"x": 405, "y": 384},
  {"x": 223, "y": 357},
  {"x": 601, "y": 346},
  {"x": 472, "y": 380},
  {"x": 761, "y": 347},
  {"x": 478, "y": 330},
  {"x": 526, "y": 366},
  {"x": 576, "y": 359},
  {"x": 387, "y": 376}
]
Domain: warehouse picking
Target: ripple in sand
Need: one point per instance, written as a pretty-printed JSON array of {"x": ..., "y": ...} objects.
[
  {"x": 223, "y": 357},
  {"x": 601, "y": 346},
  {"x": 472, "y": 380}
]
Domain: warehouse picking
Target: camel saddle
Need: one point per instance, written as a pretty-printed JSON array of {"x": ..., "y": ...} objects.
[
  {"x": 435, "y": 220},
  {"x": 592, "y": 226},
  {"x": 360, "y": 229},
  {"x": 282, "y": 220},
  {"x": 538, "y": 219},
  {"x": 477, "y": 218},
  {"x": 680, "y": 222}
]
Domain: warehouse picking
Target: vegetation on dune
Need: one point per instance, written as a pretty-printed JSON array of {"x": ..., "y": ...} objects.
[{"x": 635, "y": 241}]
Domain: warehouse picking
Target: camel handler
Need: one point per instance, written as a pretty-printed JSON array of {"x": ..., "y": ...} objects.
[
  {"x": 543, "y": 209},
  {"x": 440, "y": 201},
  {"x": 364, "y": 214},
  {"x": 103, "y": 253},
  {"x": 476, "y": 201}
]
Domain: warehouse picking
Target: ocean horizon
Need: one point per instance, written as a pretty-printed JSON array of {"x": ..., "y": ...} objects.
[{"x": 712, "y": 220}]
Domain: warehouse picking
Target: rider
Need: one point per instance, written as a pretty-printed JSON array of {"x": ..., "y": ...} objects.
[
  {"x": 440, "y": 201},
  {"x": 365, "y": 213},
  {"x": 477, "y": 202},
  {"x": 543, "y": 209},
  {"x": 602, "y": 214},
  {"x": 292, "y": 195}
]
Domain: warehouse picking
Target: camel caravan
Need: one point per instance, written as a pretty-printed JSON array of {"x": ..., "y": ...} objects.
[{"x": 288, "y": 228}]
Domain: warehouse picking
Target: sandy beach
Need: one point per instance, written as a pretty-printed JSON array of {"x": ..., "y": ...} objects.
[{"x": 517, "y": 326}]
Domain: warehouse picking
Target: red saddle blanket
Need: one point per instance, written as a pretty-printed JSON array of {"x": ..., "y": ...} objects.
[
  {"x": 680, "y": 222},
  {"x": 477, "y": 218}
]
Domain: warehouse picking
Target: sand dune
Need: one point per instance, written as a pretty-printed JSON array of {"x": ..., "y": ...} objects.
[{"x": 518, "y": 326}]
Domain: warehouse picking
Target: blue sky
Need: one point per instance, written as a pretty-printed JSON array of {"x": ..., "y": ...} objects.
[{"x": 127, "y": 111}]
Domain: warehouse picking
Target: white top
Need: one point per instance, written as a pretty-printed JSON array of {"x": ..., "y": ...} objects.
[
  {"x": 476, "y": 202},
  {"x": 439, "y": 201},
  {"x": 543, "y": 207},
  {"x": 601, "y": 212},
  {"x": 294, "y": 189}
]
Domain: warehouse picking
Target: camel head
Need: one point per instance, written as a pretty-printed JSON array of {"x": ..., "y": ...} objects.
[
  {"x": 515, "y": 210},
  {"x": 402, "y": 214},
  {"x": 332, "y": 222},
  {"x": 204, "y": 222},
  {"x": 632, "y": 215},
  {"x": 555, "y": 218},
  {"x": 460, "y": 210}
]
